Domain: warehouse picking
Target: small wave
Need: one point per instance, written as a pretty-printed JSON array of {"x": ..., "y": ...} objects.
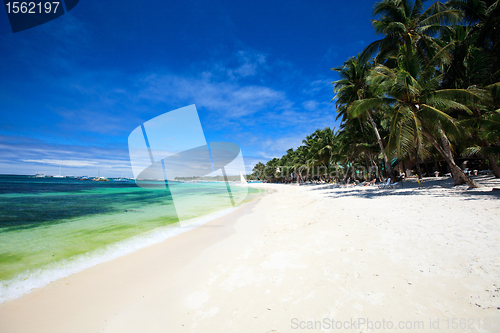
[{"x": 29, "y": 280}]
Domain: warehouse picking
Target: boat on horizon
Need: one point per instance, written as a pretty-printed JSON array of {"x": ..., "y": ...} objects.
[
  {"x": 59, "y": 175},
  {"x": 100, "y": 179},
  {"x": 242, "y": 179},
  {"x": 120, "y": 180}
]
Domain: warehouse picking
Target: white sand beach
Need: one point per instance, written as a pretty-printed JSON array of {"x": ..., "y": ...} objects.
[{"x": 296, "y": 259}]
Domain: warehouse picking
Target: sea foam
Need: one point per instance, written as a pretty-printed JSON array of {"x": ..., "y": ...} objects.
[{"x": 29, "y": 280}]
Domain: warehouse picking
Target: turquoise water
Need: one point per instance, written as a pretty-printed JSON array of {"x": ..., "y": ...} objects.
[{"x": 51, "y": 228}]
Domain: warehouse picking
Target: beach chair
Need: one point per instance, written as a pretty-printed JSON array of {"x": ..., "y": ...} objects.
[
  {"x": 386, "y": 184},
  {"x": 394, "y": 185}
]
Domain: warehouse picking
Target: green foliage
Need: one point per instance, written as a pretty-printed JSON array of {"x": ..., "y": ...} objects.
[{"x": 431, "y": 89}]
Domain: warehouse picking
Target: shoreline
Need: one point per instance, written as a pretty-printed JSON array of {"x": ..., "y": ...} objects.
[
  {"x": 301, "y": 253},
  {"x": 32, "y": 279},
  {"x": 45, "y": 305},
  {"x": 52, "y": 298}
]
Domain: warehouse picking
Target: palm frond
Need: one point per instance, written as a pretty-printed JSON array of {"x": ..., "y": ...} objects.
[{"x": 357, "y": 108}]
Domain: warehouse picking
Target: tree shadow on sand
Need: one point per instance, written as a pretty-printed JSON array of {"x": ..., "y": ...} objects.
[{"x": 441, "y": 187}]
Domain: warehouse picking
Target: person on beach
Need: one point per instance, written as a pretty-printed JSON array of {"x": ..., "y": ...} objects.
[{"x": 370, "y": 183}]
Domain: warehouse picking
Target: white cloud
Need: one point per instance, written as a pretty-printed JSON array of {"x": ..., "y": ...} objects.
[
  {"x": 96, "y": 118},
  {"x": 230, "y": 92},
  {"x": 250, "y": 62},
  {"x": 66, "y": 163},
  {"x": 228, "y": 99},
  {"x": 318, "y": 86},
  {"x": 278, "y": 147},
  {"x": 310, "y": 105},
  {"x": 22, "y": 156}
]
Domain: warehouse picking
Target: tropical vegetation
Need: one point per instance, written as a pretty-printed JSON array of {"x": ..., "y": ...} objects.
[{"x": 427, "y": 92}]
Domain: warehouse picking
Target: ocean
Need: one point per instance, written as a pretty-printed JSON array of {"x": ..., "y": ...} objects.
[{"x": 51, "y": 228}]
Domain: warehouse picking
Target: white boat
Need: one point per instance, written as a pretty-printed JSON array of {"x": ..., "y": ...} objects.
[
  {"x": 100, "y": 179},
  {"x": 59, "y": 175},
  {"x": 242, "y": 179}
]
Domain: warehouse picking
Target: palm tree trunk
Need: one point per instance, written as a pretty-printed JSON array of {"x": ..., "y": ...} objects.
[
  {"x": 379, "y": 174},
  {"x": 381, "y": 144},
  {"x": 493, "y": 165},
  {"x": 372, "y": 164},
  {"x": 417, "y": 163},
  {"x": 447, "y": 149},
  {"x": 449, "y": 159},
  {"x": 427, "y": 168},
  {"x": 490, "y": 157},
  {"x": 369, "y": 152}
]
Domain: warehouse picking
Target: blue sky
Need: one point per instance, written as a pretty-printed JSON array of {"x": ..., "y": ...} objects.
[{"x": 73, "y": 89}]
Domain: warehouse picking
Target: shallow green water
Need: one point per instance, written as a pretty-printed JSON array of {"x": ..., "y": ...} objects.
[{"x": 48, "y": 221}]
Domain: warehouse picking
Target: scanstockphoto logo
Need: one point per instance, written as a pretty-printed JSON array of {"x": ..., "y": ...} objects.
[
  {"x": 173, "y": 146},
  {"x": 28, "y": 14}
]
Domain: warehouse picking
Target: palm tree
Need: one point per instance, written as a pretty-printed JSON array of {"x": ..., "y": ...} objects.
[
  {"x": 353, "y": 87},
  {"x": 420, "y": 110},
  {"x": 320, "y": 146},
  {"x": 258, "y": 171},
  {"x": 407, "y": 24},
  {"x": 271, "y": 171},
  {"x": 483, "y": 17},
  {"x": 475, "y": 63},
  {"x": 431, "y": 90},
  {"x": 299, "y": 163},
  {"x": 486, "y": 127}
]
